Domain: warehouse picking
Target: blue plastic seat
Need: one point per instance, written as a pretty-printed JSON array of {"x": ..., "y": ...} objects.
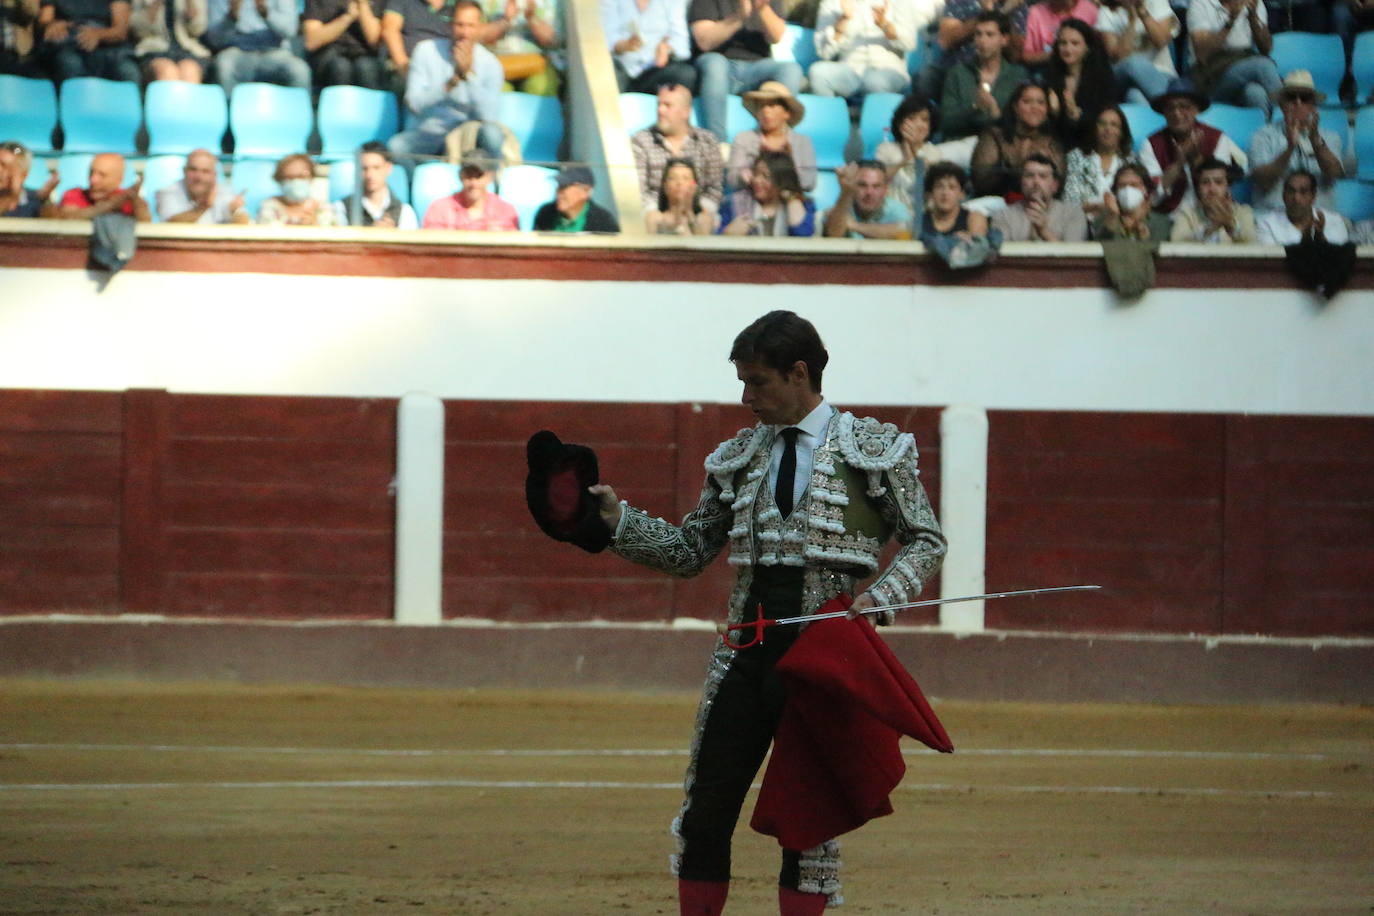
[
  {"x": 537, "y": 121},
  {"x": 876, "y": 117},
  {"x": 798, "y": 44},
  {"x": 74, "y": 171},
  {"x": 1353, "y": 199},
  {"x": 1364, "y": 142},
  {"x": 1235, "y": 121},
  {"x": 737, "y": 117},
  {"x": 827, "y": 124},
  {"x": 99, "y": 116},
  {"x": 826, "y": 193},
  {"x": 269, "y": 120},
  {"x": 28, "y": 111},
  {"x": 184, "y": 116},
  {"x": 1143, "y": 121},
  {"x": 527, "y": 188},
  {"x": 253, "y": 179},
  {"x": 638, "y": 110},
  {"x": 1322, "y": 55},
  {"x": 1362, "y": 65},
  {"x": 431, "y": 181},
  {"x": 349, "y": 116},
  {"x": 343, "y": 178}
]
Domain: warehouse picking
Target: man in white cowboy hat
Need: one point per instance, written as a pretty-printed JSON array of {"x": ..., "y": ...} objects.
[
  {"x": 777, "y": 111},
  {"x": 733, "y": 41},
  {"x": 863, "y": 46},
  {"x": 1294, "y": 143}
]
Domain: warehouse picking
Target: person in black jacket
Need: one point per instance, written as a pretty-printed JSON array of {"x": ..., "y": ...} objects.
[{"x": 572, "y": 209}]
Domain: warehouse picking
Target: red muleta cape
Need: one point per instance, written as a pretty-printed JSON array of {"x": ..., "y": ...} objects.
[{"x": 836, "y": 757}]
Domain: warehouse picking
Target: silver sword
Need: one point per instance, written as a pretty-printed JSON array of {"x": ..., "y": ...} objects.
[{"x": 758, "y": 624}]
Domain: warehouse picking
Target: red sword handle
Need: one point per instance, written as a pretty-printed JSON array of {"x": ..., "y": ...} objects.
[{"x": 756, "y": 625}]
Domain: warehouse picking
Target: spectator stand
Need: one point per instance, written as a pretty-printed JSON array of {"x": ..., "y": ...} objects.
[
  {"x": 875, "y": 119},
  {"x": 349, "y": 116},
  {"x": 827, "y": 123},
  {"x": 527, "y": 188},
  {"x": 28, "y": 112},
  {"x": 1364, "y": 142},
  {"x": 1353, "y": 199},
  {"x": 99, "y": 116},
  {"x": 537, "y": 122},
  {"x": 1236, "y": 122},
  {"x": 269, "y": 121},
  {"x": 185, "y": 116},
  {"x": 1322, "y": 55},
  {"x": 1362, "y": 66}
]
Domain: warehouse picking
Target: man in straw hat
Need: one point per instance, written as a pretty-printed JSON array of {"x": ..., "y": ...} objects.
[
  {"x": 734, "y": 42},
  {"x": 777, "y": 111},
  {"x": 1173, "y": 153},
  {"x": 1295, "y": 143}
]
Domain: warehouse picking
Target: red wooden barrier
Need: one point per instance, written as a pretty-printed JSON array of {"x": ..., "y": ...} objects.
[{"x": 279, "y": 507}]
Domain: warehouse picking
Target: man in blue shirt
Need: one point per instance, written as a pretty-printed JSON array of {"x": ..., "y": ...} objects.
[
  {"x": 252, "y": 39},
  {"x": 863, "y": 210},
  {"x": 450, "y": 83}
]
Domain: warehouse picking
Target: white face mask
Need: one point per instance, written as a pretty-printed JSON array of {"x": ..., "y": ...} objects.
[
  {"x": 296, "y": 189},
  {"x": 1130, "y": 197}
]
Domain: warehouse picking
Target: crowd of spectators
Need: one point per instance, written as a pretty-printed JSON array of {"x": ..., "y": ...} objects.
[{"x": 1018, "y": 103}]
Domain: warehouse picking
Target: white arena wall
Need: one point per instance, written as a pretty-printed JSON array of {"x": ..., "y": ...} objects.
[{"x": 1277, "y": 351}]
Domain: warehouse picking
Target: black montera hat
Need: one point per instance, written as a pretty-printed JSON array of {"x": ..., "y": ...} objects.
[{"x": 556, "y": 491}]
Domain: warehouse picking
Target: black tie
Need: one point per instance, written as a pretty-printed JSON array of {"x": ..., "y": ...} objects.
[{"x": 787, "y": 472}]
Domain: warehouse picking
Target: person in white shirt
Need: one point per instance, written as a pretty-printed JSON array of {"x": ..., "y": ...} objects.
[
  {"x": 1231, "y": 44},
  {"x": 1295, "y": 142},
  {"x": 1137, "y": 35},
  {"x": 376, "y": 206},
  {"x": 863, "y": 46},
  {"x": 198, "y": 197},
  {"x": 649, "y": 44},
  {"x": 1300, "y": 218}
]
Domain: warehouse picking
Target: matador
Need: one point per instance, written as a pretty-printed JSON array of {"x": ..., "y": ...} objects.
[{"x": 804, "y": 501}]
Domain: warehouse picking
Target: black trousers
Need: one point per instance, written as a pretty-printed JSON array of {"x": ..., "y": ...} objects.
[{"x": 737, "y": 733}]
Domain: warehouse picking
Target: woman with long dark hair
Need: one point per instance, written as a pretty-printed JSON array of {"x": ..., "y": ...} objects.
[
  {"x": 1093, "y": 164},
  {"x": 1025, "y": 130},
  {"x": 1080, "y": 80},
  {"x": 772, "y": 204},
  {"x": 679, "y": 203}
]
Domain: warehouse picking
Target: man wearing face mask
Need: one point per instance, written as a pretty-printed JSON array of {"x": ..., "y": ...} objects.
[
  {"x": 1038, "y": 216},
  {"x": 1127, "y": 213},
  {"x": 297, "y": 205}
]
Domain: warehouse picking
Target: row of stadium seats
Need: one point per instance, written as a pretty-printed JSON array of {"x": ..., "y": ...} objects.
[
  {"x": 265, "y": 120},
  {"x": 827, "y": 123},
  {"x": 1321, "y": 54},
  {"x": 525, "y": 187}
]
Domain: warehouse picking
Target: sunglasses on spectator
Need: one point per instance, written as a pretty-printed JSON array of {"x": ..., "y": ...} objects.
[{"x": 1306, "y": 98}]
